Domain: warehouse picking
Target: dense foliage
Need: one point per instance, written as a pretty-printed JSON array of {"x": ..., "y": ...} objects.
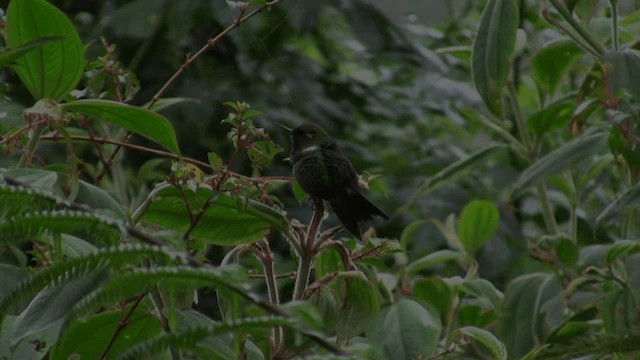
[{"x": 147, "y": 208}]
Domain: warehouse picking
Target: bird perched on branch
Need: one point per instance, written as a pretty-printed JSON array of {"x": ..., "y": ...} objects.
[{"x": 325, "y": 173}]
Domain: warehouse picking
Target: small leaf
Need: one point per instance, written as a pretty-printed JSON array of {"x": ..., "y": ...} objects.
[
  {"x": 492, "y": 50},
  {"x": 144, "y": 122},
  {"x": 560, "y": 159},
  {"x": 435, "y": 292},
  {"x": 215, "y": 161},
  {"x": 54, "y": 69},
  {"x": 328, "y": 261},
  {"x": 484, "y": 291},
  {"x": 478, "y": 221},
  {"x": 495, "y": 346},
  {"x": 262, "y": 152},
  {"x": 405, "y": 330}
]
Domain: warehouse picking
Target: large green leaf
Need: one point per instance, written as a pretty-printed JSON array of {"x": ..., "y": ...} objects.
[
  {"x": 227, "y": 221},
  {"x": 53, "y": 69},
  {"x": 87, "y": 338},
  {"x": 141, "y": 121},
  {"x": 551, "y": 62},
  {"x": 357, "y": 303},
  {"x": 405, "y": 330},
  {"x": 528, "y": 302},
  {"x": 560, "y": 159},
  {"x": 49, "y": 308},
  {"x": 492, "y": 50},
  {"x": 8, "y": 55},
  {"x": 478, "y": 221}
]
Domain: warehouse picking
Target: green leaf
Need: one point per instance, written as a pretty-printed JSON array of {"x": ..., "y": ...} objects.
[
  {"x": 551, "y": 62},
  {"x": 262, "y": 152},
  {"x": 434, "y": 258},
  {"x": 53, "y": 69},
  {"x": 49, "y": 308},
  {"x": 328, "y": 261},
  {"x": 484, "y": 291},
  {"x": 86, "y": 339},
  {"x": 141, "y": 121},
  {"x": 619, "y": 311},
  {"x": 478, "y": 221},
  {"x": 228, "y": 220},
  {"x": 621, "y": 249},
  {"x": 554, "y": 116},
  {"x": 405, "y": 330},
  {"x": 357, "y": 303},
  {"x": 8, "y": 55},
  {"x": 495, "y": 346},
  {"x": 560, "y": 159},
  {"x": 492, "y": 50},
  {"x": 164, "y": 103},
  {"x": 614, "y": 211},
  {"x": 623, "y": 64},
  {"x": 460, "y": 168},
  {"x": 528, "y": 300},
  {"x": 435, "y": 292}
]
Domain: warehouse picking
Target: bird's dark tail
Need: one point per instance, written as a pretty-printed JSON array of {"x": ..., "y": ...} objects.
[{"x": 352, "y": 207}]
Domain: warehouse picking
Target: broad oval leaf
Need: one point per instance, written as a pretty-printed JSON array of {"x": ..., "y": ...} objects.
[
  {"x": 53, "y": 69},
  {"x": 551, "y": 62},
  {"x": 405, "y": 330},
  {"x": 495, "y": 346},
  {"x": 227, "y": 220},
  {"x": 492, "y": 50},
  {"x": 434, "y": 258},
  {"x": 357, "y": 303},
  {"x": 621, "y": 249},
  {"x": 49, "y": 308},
  {"x": 85, "y": 339},
  {"x": 560, "y": 159},
  {"x": 478, "y": 221},
  {"x": 141, "y": 121},
  {"x": 8, "y": 55}
]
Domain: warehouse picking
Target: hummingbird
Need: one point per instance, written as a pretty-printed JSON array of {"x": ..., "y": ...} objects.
[{"x": 324, "y": 173}]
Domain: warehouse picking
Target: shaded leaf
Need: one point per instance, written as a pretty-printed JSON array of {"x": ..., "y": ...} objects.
[
  {"x": 141, "y": 121},
  {"x": 495, "y": 346},
  {"x": 53, "y": 69},
  {"x": 492, "y": 50},
  {"x": 405, "y": 330},
  {"x": 560, "y": 159},
  {"x": 551, "y": 62},
  {"x": 8, "y": 55}
]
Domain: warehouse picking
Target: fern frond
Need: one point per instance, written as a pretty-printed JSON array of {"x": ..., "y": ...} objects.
[
  {"x": 126, "y": 285},
  {"x": 188, "y": 338},
  {"x": 112, "y": 257},
  {"x": 23, "y": 226},
  {"x": 18, "y": 199}
]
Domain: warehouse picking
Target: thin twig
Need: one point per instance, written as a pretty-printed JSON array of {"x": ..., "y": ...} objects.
[{"x": 124, "y": 320}]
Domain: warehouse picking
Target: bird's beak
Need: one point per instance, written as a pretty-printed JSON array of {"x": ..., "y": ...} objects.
[{"x": 284, "y": 127}]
